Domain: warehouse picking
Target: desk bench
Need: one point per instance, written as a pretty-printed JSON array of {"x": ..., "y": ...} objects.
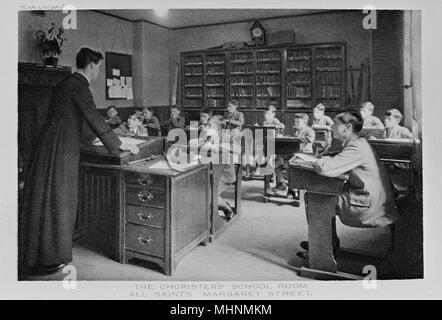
[{"x": 322, "y": 195}]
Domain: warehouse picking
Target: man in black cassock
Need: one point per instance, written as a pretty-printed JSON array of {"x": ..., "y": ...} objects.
[{"x": 47, "y": 218}]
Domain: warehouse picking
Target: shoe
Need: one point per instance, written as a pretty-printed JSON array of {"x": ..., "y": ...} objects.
[
  {"x": 304, "y": 245},
  {"x": 229, "y": 212},
  {"x": 302, "y": 255},
  {"x": 294, "y": 193},
  {"x": 280, "y": 187},
  {"x": 47, "y": 269}
]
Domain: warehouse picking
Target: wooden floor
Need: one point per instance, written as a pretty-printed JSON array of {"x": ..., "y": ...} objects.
[{"x": 261, "y": 245}]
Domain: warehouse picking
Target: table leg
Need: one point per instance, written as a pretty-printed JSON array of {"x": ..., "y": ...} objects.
[
  {"x": 238, "y": 183},
  {"x": 321, "y": 209},
  {"x": 266, "y": 184}
]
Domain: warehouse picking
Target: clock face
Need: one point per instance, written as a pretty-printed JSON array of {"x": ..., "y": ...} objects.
[{"x": 257, "y": 32}]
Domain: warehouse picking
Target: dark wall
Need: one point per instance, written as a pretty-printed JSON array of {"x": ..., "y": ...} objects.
[{"x": 387, "y": 62}]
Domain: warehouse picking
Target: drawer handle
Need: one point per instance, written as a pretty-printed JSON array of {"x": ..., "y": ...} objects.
[
  {"x": 144, "y": 217},
  {"x": 145, "y": 182},
  {"x": 143, "y": 241},
  {"x": 145, "y": 197}
]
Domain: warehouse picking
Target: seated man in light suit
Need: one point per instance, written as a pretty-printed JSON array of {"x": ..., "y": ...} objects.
[
  {"x": 133, "y": 127},
  {"x": 367, "y": 198}
]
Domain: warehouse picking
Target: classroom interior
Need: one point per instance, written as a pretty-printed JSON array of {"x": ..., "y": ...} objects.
[{"x": 172, "y": 60}]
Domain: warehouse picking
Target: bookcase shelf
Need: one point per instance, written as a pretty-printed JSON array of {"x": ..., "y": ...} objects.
[{"x": 291, "y": 76}]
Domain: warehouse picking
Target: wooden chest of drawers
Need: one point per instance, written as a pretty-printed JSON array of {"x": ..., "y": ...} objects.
[
  {"x": 166, "y": 215},
  {"x": 133, "y": 211}
]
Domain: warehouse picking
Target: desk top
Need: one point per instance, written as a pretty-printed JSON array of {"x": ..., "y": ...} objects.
[
  {"x": 287, "y": 138},
  {"x": 100, "y": 154},
  {"x": 158, "y": 166},
  {"x": 321, "y": 128},
  {"x": 394, "y": 149},
  {"x": 305, "y": 177}
]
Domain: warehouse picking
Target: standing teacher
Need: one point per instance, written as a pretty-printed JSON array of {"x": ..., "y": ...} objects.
[{"x": 47, "y": 218}]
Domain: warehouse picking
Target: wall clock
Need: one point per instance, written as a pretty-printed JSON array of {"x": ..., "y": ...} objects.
[{"x": 258, "y": 34}]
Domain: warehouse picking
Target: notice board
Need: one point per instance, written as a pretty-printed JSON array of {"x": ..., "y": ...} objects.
[{"x": 118, "y": 76}]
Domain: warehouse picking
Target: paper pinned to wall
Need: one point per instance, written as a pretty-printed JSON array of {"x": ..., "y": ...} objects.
[
  {"x": 129, "y": 82},
  {"x": 123, "y": 91},
  {"x": 112, "y": 92},
  {"x": 116, "y": 72},
  {"x": 116, "y": 92},
  {"x": 109, "y": 82},
  {"x": 122, "y": 81},
  {"x": 130, "y": 94},
  {"x": 116, "y": 82}
]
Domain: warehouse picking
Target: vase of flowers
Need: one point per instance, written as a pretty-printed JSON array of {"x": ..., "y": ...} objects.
[{"x": 50, "y": 44}]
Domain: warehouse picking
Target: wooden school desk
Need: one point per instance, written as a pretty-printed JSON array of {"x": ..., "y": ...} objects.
[
  {"x": 372, "y": 132},
  {"x": 284, "y": 146},
  {"x": 144, "y": 210},
  {"x": 400, "y": 157},
  {"x": 217, "y": 224},
  {"x": 322, "y": 195},
  {"x": 403, "y": 160},
  {"x": 252, "y": 141},
  {"x": 323, "y": 138}
]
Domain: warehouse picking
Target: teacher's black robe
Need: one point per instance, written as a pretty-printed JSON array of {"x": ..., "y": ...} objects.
[{"x": 47, "y": 217}]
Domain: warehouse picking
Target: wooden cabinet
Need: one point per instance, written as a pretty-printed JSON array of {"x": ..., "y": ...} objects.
[
  {"x": 153, "y": 214},
  {"x": 215, "y": 80},
  {"x": 35, "y": 83},
  {"x": 242, "y": 77},
  {"x": 166, "y": 215},
  {"x": 268, "y": 80},
  {"x": 295, "y": 77}
]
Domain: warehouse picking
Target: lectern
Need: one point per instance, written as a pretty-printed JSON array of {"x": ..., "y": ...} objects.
[{"x": 133, "y": 207}]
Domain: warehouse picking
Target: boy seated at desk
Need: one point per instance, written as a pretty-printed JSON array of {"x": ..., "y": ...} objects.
[
  {"x": 218, "y": 140},
  {"x": 271, "y": 121},
  {"x": 236, "y": 119},
  {"x": 112, "y": 118},
  {"x": 367, "y": 197},
  {"x": 133, "y": 127},
  {"x": 176, "y": 119},
  {"x": 272, "y": 108},
  {"x": 392, "y": 128},
  {"x": 369, "y": 120},
  {"x": 307, "y": 136},
  {"x": 319, "y": 118},
  {"x": 151, "y": 123},
  {"x": 203, "y": 123}
]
